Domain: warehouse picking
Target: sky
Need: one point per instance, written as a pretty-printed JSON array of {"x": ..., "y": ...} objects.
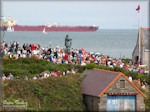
[{"x": 105, "y": 14}]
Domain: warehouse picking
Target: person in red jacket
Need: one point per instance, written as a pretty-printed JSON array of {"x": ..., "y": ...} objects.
[
  {"x": 32, "y": 47},
  {"x": 66, "y": 56},
  {"x": 138, "y": 63}
]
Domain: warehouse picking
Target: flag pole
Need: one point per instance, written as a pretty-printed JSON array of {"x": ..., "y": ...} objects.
[{"x": 139, "y": 35}]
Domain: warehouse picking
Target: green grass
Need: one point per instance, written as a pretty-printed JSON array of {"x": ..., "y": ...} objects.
[
  {"x": 54, "y": 93},
  {"x": 31, "y": 66}
]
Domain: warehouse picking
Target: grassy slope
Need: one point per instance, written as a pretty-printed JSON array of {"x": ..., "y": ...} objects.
[
  {"x": 34, "y": 89},
  {"x": 30, "y": 66},
  {"x": 54, "y": 93}
]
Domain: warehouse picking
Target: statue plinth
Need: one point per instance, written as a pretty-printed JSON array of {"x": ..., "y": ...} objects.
[{"x": 67, "y": 51}]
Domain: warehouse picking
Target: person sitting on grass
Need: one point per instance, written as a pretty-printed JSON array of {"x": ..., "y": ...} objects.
[
  {"x": 144, "y": 84},
  {"x": 53, "y": 74},
  {"x": 133, "y": 70},
  {"x": 38, "y": 76},
  {"x": 34, "y": 78},
  {"x": 18, "y": 78},
  {"x": 26, "y": 78},
  {"x": 138, "y": 81},
  {"x": 7, "y": 78}
]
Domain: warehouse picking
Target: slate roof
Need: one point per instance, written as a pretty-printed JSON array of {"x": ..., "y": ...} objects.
[
  {"x": 146, "y": 37},
  {"x": 98, "y": 81}
]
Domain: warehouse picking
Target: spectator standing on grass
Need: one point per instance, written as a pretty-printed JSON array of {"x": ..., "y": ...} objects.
[
  {"x": 130, "y": 78},
  {"x": 45, "y": 74},
  {"x": 64, "y": 73},
  {"x": 10, "y": 56},
  {"x": 3, "y": 77},
  {"x": 11, "y": 76},
  {"x": 138, "y": 63},
  {"x": 27, "y": 46},
  {"x": 24, "y": 46}
]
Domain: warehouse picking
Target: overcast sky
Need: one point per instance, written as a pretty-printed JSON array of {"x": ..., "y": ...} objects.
[{"x": 105, "y": 14}]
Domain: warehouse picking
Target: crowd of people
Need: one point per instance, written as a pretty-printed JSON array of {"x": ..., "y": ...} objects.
[
  {"x": 46, "y": 74},
  {"x": 58, "y": 55}
]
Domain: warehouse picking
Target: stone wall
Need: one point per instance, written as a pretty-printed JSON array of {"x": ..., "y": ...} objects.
[
  {"x": 146, "y": 59},
  {"x": 115, "y": 87},
  {"x": 94, "y": 103},
  {"x": 91, "y": 102},
  {"x": 103, "y": 103},
  {"x": 140, "y": 106}
]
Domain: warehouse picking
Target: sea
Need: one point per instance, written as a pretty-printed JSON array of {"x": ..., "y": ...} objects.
[{"x": 116, "y": 43}]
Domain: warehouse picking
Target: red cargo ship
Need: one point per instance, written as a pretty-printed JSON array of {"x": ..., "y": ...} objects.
[
  {"x": 54, "y": 28},
  {"x": 11, "y": 27}
]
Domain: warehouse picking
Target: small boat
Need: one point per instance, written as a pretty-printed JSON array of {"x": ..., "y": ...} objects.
[
  {"x": 9, "y": 29},
  {"x": 12, "y": 29},
  {"x": 44, "y": 32}
]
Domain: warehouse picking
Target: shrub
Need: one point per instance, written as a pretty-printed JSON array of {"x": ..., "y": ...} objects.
[
  {"x": 30, "y": 66},
  {"x": 91, "y": 66},
  {"x": 50, "y": 94}
]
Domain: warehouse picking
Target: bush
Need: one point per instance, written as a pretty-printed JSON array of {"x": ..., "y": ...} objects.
[
  {"x": 50, "y": 94},
  {"x": 57, "y": 93},
  {"x": 30, "y": 66},
  {"x": 91, "y": 66}
]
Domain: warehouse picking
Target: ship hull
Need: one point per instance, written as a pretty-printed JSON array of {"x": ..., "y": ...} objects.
[{"x": 54, "y": 28}]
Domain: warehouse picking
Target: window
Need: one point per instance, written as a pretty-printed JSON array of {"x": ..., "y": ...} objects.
[{"x": 122, "y": 83}]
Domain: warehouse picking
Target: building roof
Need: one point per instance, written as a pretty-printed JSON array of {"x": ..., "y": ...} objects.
[
  {"x": 146, "y": 37},
  {"x": 98, "y": 81}
]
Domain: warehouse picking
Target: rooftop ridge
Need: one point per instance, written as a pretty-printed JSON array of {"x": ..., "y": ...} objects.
[{"x": 107, "y": 71}]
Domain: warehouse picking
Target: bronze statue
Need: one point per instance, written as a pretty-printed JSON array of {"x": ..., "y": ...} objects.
[{"x": 68, "y": 42}]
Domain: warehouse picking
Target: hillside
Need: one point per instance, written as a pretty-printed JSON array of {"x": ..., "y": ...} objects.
[{"x": 54, "y": 93}]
